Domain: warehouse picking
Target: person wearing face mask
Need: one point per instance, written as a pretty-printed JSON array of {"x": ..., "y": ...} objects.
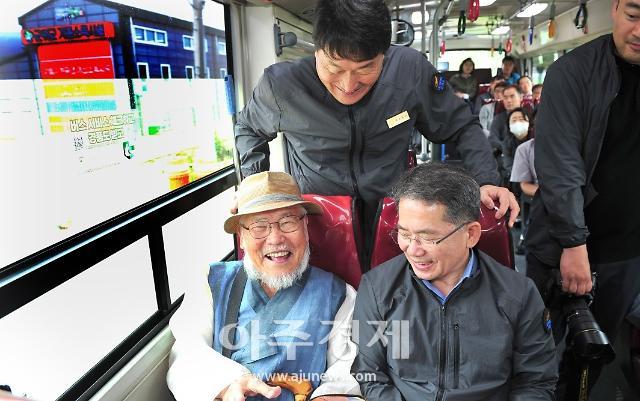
[{"x": 519, "y": 129}]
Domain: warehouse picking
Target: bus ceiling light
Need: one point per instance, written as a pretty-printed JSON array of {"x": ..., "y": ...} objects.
[
  {"x": 484, "y": 3},
  {"x": 532, "y": 9},
  {"x": 501, "y": 30}
]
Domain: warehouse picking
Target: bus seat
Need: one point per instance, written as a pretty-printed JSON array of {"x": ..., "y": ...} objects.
[
  {"x": 383, "y": 247},
  {"x": 483, "y": 88},
  {"x": 495, "y": 240},
  {"x": 332, "y": 237}
]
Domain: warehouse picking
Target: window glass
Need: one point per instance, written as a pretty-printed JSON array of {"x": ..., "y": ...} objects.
[
  {"x": 481, "y": 59},
  {"x": 149, "y": 35},
  {"x": 139, "y": 33},
  {"x": 195, "y": 240},
  {"x": 222, "y": 48},
  {"x": 143, "y": 70},
  {"x": 165, "y": 70},
  {"x": 52, "y": 341},
  {"x": 84, "y": 144},
  {"x": 187, "y": 42},
  {"x": 161, "y": 37}
]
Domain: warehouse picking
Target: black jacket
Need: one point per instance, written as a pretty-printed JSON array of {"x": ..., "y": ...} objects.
[
  {"x": 334, "y": 149},
  {"x": 486, "y": 343},
  {"x": 570, "y": 127}
]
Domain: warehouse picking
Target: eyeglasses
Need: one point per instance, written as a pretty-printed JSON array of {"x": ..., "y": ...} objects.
[
  {"x": 421, "y": 239},
  {"x": 262, "y": 229}
]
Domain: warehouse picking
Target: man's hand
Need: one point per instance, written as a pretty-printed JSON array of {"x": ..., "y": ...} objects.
[
  {"x": 248, "y": 385},
  {"x": 491, "y": 193},
  {"x": 575, "y": 270}
]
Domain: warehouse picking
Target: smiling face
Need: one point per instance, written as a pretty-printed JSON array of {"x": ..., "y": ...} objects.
[
  {"x": 348, "y": 81},
  {"x": 279, "y": 253},
  {"x": 442, "y": 264},
  {"x": 626, "y": 29}
]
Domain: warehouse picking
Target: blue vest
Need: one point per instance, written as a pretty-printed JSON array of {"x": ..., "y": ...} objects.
[{"x": 284, "y": 334}]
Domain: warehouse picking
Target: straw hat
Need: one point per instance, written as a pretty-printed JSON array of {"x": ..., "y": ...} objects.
[{"x": 266, "y": 191}]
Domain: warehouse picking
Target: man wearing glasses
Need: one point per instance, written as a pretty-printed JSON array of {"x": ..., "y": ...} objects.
[
  {"x": 458, "y": 325},
  {"x": 269, "y": 313}
]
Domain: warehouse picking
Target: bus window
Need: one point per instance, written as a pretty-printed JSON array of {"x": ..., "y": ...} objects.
[
  {"x": 48, "y": 344},
  {"x": 88, "y": 126}
]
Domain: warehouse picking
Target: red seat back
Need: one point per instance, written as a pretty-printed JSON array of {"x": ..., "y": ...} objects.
[
  {"x": 334, "y": 245},
  {"x": 383, "y": 247},
  {"x": 332, "y": 239},
  {"x": 495, "y": 240}
]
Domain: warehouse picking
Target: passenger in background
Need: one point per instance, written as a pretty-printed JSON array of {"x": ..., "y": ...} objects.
[
  {"x": 520, "y": 128},
  {"x": 523, "y": 172},
  {"x": 464, "y": 81},
  {"x": 536, "y": 92},
  {"x": 526, "y": 87},
  {"x": 585, "y": 216},
  {"x": 462, "y": 326},
  {"x": 499, "y": 131},
  {"x": 508, "y": 72},
  {"x": 347, "y": 114},
  {"x": 488, "y": 111},
  {"x": 486, "y": 97},
  {"x": 291, "y": 317}
]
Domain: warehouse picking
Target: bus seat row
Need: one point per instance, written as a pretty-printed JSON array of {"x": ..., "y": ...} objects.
[{"x": 335, "y": 237}]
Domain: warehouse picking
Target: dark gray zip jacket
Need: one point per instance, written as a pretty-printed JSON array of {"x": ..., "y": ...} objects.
[
  {"x": 334, "y": 149},
  {"x": 570, "y": 127},
  {"x": 486, "y": 343}
]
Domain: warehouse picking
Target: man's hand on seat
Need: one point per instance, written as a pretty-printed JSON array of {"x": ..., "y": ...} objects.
[
  {"x": 248, "y": 385},
  {"x": 489, "y": 194},
  {"x": 575, "y": 270}
]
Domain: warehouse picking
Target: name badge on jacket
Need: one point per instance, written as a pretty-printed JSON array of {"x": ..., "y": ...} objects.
[{"x": 397, "y": 119}]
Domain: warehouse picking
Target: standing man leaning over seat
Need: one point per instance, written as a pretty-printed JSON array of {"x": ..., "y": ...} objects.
[
  {"x": 291, "y": 317},
  {"x": 463, "y": 327},
  {"x": 585, "y": 216},
  {"x": 348, "y": 113}
]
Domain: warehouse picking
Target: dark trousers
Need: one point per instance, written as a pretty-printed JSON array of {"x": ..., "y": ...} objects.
[{"x": 618, "y": 284}]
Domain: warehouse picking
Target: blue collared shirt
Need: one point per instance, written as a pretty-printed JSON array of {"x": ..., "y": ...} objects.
[{"x": 468, "y": 271}]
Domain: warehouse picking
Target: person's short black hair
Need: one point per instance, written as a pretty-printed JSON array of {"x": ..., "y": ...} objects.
[
  {"x": 464, "y": 61},
  {"x": 536, "y": 86},
  {"x": 508, "y": 58},
  {"x": 502, "y": 85},
  {"x": 512, "y": 86},
  {"x": 352, "y": 29},
  {"x": 439, "y": 183},
  {"x": 524, "y": 112}
]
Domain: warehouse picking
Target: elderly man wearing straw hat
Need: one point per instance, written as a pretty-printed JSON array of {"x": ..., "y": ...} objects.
[{"x": 269, "y": 313}]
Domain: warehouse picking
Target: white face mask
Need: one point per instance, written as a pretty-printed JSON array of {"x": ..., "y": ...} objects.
[{"x": 519, "y": 129}]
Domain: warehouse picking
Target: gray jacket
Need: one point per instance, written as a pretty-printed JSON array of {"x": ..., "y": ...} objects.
[
  {"x": 570, "y": 127},
  {"x": 486, "y": 343},
  {"x": 334, "y": 149}
]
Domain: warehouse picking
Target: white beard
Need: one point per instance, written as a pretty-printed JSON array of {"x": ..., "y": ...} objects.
[{"x": 279, "y": 282}]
